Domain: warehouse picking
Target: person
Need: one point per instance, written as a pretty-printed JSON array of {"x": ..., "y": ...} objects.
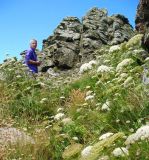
[{"x": 31, "y": 57}]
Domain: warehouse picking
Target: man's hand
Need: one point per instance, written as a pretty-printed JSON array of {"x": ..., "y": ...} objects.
[{"x": 38, "y": 63}]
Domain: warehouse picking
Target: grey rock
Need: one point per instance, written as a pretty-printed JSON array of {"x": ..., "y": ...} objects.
[
  {"x": 75, "y": 42},
  {"x": 145, "y": 40},
  {"x": 142, "y": 16},
  {"x": 63, "y": 46}
]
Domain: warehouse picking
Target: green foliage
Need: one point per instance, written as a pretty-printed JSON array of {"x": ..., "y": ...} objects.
[{"x": 29, "y": 101}]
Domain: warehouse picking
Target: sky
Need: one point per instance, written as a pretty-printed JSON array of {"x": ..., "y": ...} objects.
[{"x": 22, "y": 20}]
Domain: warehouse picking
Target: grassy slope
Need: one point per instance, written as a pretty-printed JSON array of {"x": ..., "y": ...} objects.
[{"x": 129, "y": 108}]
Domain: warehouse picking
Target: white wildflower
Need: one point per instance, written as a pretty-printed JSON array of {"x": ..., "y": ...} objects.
[
  {"x": 89, "y": 93},
  {"x": 140, "y": 120},
  {"x": 104, "y": 158},
  {"x": 59, "y": 116},
  {"x": 127, "y": 121},
  {"x": 42, "y": 84},
  {"x": 106, "y": 61},
  {"x": 106, "y": 135},
  {"x": 75, "y": 138},
  {"x": 79, "y": 110},
  {"x": 124, "y": 64},
  {"x": 43, "y": 100},
  {"x": 114, "y": 48},
  {"x": 93, "y": 62},
  {"x": 85, "y": 104},
  {"x": 105, "y": 106},
  {"x": 120, "y": 152},
  {"x": 49, "y": 126},
  {"x": 62, "y": 97},
  {"x": 52, "y": 117},
  {"x": 18, "y": 76},
  {"x": 141, "y": 134},
  {"x": 128, "y": 81},
  {"x": 86, "y": 151},
  {"x": 66, "y": 121},
  {"x": 117, "y": 121},
  {"x": 117, "y": 94},
  {"x": 98, "y": 104},
  {"x": 103, "y": 69},
  {"x": 131, "y": 130},
  {"x": 85, "y": 67},
  {"x": 134, "y": 41},
  {"x": 60, "y": 109},
  {"x": 123, "y": 75},
  {"x": 88, "y": 87},
  {"x": 98, "y": 108},
  {"x": 90, "y": 97},
  {"x": 10, "y": 69},
  {"x": 124, "y": 137},
  {"x": 147, "y": 59}
]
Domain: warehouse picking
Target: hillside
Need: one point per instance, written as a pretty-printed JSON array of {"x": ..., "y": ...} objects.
[{"x": 92, "y": 106}]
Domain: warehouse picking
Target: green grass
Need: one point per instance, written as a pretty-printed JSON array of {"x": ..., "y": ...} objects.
[{"x": 129, "y": 109}]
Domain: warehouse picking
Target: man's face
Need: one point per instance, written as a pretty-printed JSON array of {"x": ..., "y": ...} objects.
[{"x": 33, "y": 44}]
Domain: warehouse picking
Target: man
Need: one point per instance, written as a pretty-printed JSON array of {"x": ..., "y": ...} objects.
[{"x": 31, "y": 57}]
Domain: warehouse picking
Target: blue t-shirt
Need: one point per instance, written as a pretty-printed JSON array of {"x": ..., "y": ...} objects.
[{"x": 31, "y": 55}]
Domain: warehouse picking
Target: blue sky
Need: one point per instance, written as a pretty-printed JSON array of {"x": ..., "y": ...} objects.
[{"x": 22, "y": 20}]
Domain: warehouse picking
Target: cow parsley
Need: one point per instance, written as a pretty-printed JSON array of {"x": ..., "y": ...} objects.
[
  {"x": 141, "y": 134},
  {"x": 123, "y": 64},
  {"x": 106, "y": 135},
  {"x": 59, "y": 116},
  {"x": 103, "y": 69},
  {"x": 114, "y": 48},
  {"x": 120, "y": 152},
  {"x": 86, "y": 151},
  {"x": 105, "y": 106}
]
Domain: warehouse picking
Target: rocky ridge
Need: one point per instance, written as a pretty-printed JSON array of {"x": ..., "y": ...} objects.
[{"x": 75, "y": 41}]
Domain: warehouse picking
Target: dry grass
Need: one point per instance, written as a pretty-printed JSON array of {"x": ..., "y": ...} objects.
[
  {"x": 2, "y": 153},
  {"x": 4, "y": 96},
  {"x": 37, "y": 151},
  {"x": 76, "y": 99}
]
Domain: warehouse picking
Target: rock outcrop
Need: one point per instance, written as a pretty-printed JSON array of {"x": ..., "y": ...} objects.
[
  {"x": 142, "y": 22},
  {"x": 145, "y": 40},
  {"x": 74, "y": 41},
  {"x": 99, "y": 29},
  {"x": 63, "y": 46},
  {"x": 142, "y": 17}
]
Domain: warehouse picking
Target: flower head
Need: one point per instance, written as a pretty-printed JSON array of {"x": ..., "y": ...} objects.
[
  {"x": 114, "y": 48},
  {"x": 120, "y": 152},
  {"x": 106, "y": 135},
  {"x": 86, "y": 151},
  {"x": 141, "y": 133},
  {"x": 103, "y": 69},
  {"x": 59, "y": 116},
  {"x": 106, "y": 106},
  {"x": 123, "y": 64}
]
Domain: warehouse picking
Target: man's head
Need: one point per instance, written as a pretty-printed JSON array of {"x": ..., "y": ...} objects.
[{"x": 33, "y": 43}]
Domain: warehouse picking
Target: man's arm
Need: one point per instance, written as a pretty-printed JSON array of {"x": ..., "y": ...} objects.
[
  {"x": 29, "y": 61},
  {"x": 34, "y": 62}
]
